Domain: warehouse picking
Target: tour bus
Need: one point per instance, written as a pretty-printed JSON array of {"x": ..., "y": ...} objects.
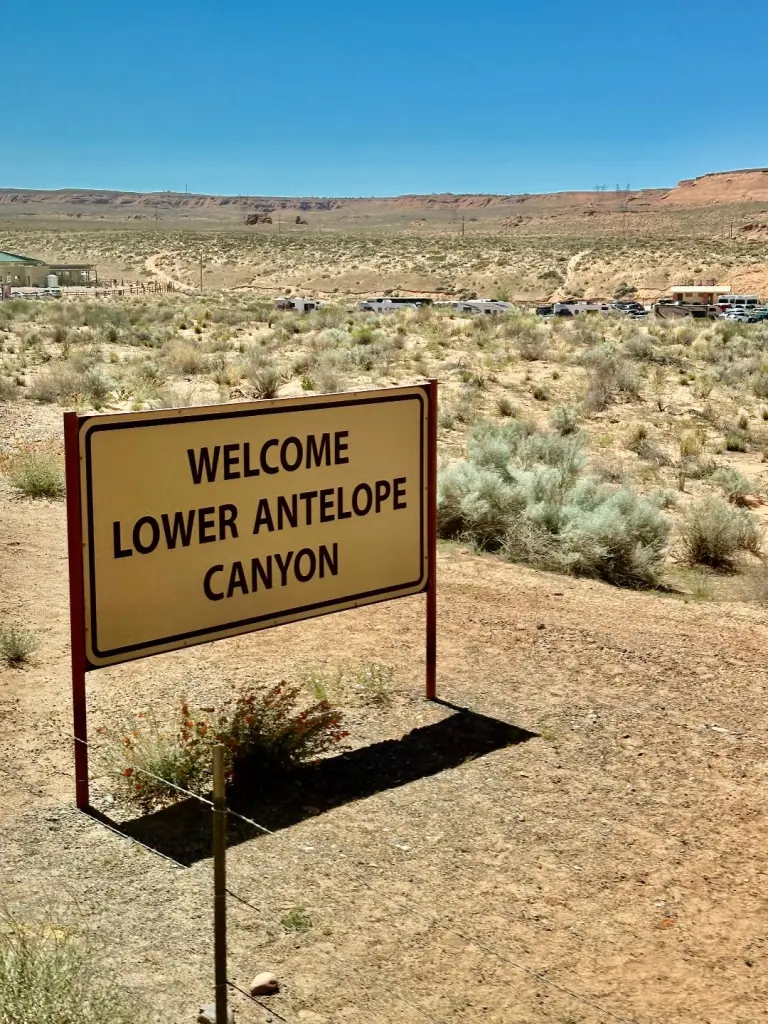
[{"x": 731, "y": 302}]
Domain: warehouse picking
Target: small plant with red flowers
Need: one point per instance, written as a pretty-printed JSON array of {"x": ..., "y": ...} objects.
[
  {"x": 270, "y": 729},
  {"x": 261, "y": 729}
]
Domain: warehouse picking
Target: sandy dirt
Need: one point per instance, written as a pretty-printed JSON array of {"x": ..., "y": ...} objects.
[{"x": 585, "y": 843}]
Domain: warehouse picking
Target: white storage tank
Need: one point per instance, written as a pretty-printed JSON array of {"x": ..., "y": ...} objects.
[{"x": 52, "y": 281}]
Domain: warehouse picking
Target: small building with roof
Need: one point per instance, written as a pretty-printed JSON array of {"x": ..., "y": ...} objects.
[
  {"x": 707, "y": 294},
  {"x": 22, "y": 271},
  {"x": 19, "y": 271}
]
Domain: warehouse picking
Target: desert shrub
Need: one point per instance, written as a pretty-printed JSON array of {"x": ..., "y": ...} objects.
[
  {"x": 532, "y": 345},
  {"x": 266, "y": 381},
  {"x": 372, "y": 683},
  {"x": 8, "y": 389},
  {"x": 521, "y": 492},
  {"x": 16, "y": 645},
  {"x": 37, "y": 475},
  {"x": 170, "y": 397},
  {"x": 640, "y": 442},
  {"x": 733, "y": 484},
  {"x": 639, "y": 346},
  {"x": 60, "y": 334},
  {"x": 610, "y": 376},
  {"x": 713, "y": 533},
  {"x": 735, "y": 440},
  {"x": 48, "y": 976},
  {"x": 369, "y": 684},
  {"x": 474, "y": 502},
  {"x": 690, "y": 445},
  {"x": 262, "y": 730},
  {"x": 59, "y": 383},
  {"x": 365, "y": 334},
  {"x": 505, "y": 406},
  {"x": 564, "y": 420},
  {"x": 296, "y": 920},
  {"x": 97, "y": 386},
  {"x": 186, "y": 360},
  {"x": 149, "y": 373},
  {"x": 328, "y": 381},
  {"x": 760, "y": 384},
  {"x": 664, "y": 499}
]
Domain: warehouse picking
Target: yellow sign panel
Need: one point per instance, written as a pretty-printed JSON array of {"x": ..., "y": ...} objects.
[{"x": 208, "y": 522}]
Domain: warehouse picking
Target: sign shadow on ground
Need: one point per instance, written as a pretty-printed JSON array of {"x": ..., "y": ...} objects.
[{"x": 183, "y": 830}]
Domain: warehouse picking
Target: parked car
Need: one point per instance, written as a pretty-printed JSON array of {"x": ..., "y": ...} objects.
[
  {"x": 736, "y": 316},
  {"x": 545, "y": 310},
  {"x": 757, "y": 315},
  {"x": 16, "y": 294}
]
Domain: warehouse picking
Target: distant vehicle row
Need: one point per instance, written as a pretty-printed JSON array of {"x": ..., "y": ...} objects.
[
  {"x": 36, "y": 293},
  {"x": 572, "y": 307}
]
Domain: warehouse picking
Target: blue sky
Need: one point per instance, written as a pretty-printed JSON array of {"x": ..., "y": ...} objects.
[{"x": 348, "y": 98}]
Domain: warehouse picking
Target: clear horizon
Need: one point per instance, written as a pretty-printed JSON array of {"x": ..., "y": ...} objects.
[{"x": 347, "y": 103}]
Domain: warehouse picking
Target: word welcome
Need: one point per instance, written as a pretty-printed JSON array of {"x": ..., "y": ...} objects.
[{"x": 235, "y": 461}]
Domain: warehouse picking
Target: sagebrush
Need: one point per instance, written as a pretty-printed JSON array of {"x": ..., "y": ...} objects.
[{"x": 523, "y": 493}]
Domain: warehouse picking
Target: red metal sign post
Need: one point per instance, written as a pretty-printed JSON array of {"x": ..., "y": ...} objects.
[
  {"x": 432, "y": 541},
  {"x": 76, "y": 605}
]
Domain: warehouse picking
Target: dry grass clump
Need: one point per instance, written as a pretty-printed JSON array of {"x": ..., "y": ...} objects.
[
  {"x": 48, "y": 976},
  {"x": 610, "y": 376},
  {"x": 17, "y": 644},
  {"x": 714, "y": 533},
  {"x": 37, "y": 475}
]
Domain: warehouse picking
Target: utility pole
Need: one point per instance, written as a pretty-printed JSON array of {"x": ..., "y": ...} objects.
[
  {"x": 463, "y": 218},
  {"x": 279, "y": 225},
  {"x": 201, "y": 272}
]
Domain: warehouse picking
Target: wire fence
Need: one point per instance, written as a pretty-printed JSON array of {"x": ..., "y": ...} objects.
[{"x": 432, "y": 922}]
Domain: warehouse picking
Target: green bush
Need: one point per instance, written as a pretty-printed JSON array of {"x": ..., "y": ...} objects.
[
  {"x": 734, "y": 485},
  {"x": 522, "y": 493},
  {"x": 564, "y": 420},
  {"x": 37, "y": 475},
  {"x": 714, "y": 533},
  {"x": 16, "y": 645},
  {"x": 48, "y": 976}
]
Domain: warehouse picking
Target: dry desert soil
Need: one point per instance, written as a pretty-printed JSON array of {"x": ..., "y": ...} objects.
[{"x": 576, "y": 833}]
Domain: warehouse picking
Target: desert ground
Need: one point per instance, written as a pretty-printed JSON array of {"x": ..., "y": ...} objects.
[{"x": 575, "y": 832}]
